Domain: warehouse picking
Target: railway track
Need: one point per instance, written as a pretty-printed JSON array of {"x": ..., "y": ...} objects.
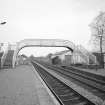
[
  {"x": 64, "y": 94},
  {"x": 93, "y": 83}
]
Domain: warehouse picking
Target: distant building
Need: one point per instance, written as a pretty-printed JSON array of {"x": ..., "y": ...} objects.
[
  {"x": 66, "y": 57},
  {"x": 98, "y": 57},
  {"x": 22, "y": 59}
]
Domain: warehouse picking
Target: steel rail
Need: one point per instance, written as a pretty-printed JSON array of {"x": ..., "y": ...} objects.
[
  {"x": 65, "y": 94},
  {"x": 94, "y": 86}
]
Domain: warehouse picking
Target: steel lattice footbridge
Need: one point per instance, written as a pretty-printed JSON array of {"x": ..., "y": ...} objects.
[{"x": 9, "y": 56}]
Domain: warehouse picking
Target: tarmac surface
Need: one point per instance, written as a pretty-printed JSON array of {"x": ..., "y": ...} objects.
[{"x": 20, "y": 86}]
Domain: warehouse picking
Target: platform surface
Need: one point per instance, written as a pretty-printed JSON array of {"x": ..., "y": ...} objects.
[
  {"x": 100, "y": 72},
  {"x": 20, "y": 86}
]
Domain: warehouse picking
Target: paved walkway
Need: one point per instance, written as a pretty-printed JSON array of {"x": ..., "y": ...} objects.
[
  {"x": 20, "y": 86},
  {"x": 98, "y": 72}
]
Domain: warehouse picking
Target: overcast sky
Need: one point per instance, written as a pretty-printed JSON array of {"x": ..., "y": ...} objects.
[{"x": 61, "y": 19}]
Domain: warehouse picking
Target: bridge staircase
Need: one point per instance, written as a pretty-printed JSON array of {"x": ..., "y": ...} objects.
[
  {"x": 91, "y": 57},
  {"x": 83, "y": 56},
  {"x": 1, "y": 54},
  {"x": 8, "y": 59}
]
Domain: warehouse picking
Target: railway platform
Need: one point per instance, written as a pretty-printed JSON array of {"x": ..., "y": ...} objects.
[
  {"x": 22, "y": 86},
  {"x": 100, "y": 72}
]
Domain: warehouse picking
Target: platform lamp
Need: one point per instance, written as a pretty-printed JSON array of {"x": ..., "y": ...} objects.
[
  {"x": 101, "y": 32},
  {"x": 2, "y": 23}
]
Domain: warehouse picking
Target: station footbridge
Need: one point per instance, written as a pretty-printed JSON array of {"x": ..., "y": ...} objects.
[{"x": 9, "y": 57}]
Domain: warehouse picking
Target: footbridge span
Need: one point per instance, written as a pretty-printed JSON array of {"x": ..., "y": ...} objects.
[{"x": 42, "y": 43}]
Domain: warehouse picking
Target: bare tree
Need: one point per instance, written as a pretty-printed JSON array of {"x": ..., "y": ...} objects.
[{"x": 98, "y": 33}]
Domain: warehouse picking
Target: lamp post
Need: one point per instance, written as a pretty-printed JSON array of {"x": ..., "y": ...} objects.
[{"x": 101, "y": 32}]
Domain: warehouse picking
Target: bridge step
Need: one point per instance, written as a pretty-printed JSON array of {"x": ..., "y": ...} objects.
[
  {"x": 8, "y": 60},
  {"x": 1, "y": 54}
]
